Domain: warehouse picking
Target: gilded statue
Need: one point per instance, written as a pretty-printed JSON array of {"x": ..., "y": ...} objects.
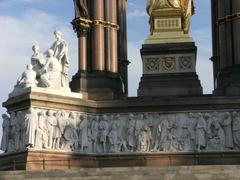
[
  {"x": 81, "y": 9},
  {"x": 186, "y": 6}
]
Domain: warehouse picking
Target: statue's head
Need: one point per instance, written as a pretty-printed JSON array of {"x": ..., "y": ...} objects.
[
  {"x": 50, "y": 53},
  {"x": 36, "y": 48},
  {"x": 29, "y": 67},
  {"x": 4, "y": 116},
  {"x": 58, "y": 35}
]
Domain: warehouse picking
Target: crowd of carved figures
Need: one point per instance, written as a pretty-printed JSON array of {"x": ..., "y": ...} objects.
[
  {"x": 49, "y": 71},
  {"x": 120, "y": 133}
]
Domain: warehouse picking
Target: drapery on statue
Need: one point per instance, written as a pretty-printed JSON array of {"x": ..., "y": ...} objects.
[
  {"x": 187, "y": 9},
  {"x": 81, "y": 9}
]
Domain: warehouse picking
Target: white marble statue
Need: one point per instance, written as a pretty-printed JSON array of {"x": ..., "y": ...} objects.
[
  {"x": 5, "y": 131},
  {"x": 51, "y": 72},
  {"x": 37, "y": 59},
  {"x": 60, "y": 49},
  {"x": 31, "y": 127},
  {"x": 28, "y": 78}
]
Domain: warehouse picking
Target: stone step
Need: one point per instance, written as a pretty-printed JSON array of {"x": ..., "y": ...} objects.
[{"x": 132, "y": 173}]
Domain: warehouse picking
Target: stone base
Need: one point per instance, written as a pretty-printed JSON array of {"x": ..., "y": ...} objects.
[
  {"x": 37, "y": 160},
  {"x": 184, "y": 84},
  {"x": 98, "y": 85},
  {"x": 169, "y": 70}
]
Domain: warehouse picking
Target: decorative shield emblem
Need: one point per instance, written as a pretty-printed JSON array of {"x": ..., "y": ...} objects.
[{"x": 169, "y": 63}]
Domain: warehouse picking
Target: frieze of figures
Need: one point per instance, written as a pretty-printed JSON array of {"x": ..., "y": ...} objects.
[{"x": 120, "y": 133}]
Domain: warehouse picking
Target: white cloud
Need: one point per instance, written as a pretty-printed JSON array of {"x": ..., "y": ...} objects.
[{"x": 137, "y": 13}]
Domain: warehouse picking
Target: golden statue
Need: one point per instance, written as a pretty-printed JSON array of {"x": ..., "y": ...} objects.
[{"x": 186, "y": 6}]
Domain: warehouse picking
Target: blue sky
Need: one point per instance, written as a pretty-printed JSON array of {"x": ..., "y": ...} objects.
[{"x": 27, "y": 22}]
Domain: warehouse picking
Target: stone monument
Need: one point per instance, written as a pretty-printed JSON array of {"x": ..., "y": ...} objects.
[
  {"x": 50, "y": 126},
  {"x": 169, "y": 54}
]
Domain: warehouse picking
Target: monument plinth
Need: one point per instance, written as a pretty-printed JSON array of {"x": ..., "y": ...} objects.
[
  {"x": 167, "y": 27},
  {"x": 169, "y": 56}
]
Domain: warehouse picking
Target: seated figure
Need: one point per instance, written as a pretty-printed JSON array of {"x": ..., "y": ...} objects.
[
  {"x": 28, "y": 78},
  {"x": 37, "y": 59},
  {"x": 50, "y": 74}
]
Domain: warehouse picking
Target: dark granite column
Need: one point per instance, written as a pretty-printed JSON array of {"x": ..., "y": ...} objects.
[
  {"x": 226, "y": 43},
  {"x": 215, "y": 37},
  {"x": 236, "y": 33}
]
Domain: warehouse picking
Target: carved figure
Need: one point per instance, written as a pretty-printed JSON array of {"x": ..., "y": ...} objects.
[
  {"x": 94, "y": 132},
  {"x": 31, "y": 126},
  {"x": 114, "y": 138},
  {"x": 81, "y": 9},
  {"x": 131, "y": 142},
  {"x": 21, "y": 130},
  {"x": 185, "y": 139},
  {"x": 144, "y": 139},
  {"x": 51, "y": 123},
  {"x": 57, "y": 132},
  {"x": 103, "y": 131},
  {"x": 51, "y": 72},
  {"x": 162, "y": 135},
  {"x": 201, "y": 128},
  {"x": 69, "y": 133},
  {"x": 83, "y": 136},
  {"x": 215, "y": 134},
  {"x": 236, "y": 128},
  {"x": 60, "y": 49},
  {"x": 186, "y": 6},
  {"x": 5, "y": 130},
  {"x": 42, "y": 132},
  {"x": 37, "y": 59},
  {"x": 227, "y": 127},
  {"x": 28, "y": 78}
]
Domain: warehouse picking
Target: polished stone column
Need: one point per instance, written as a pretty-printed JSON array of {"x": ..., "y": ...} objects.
[
  {"x": 82, "y": 53},
  {"x": 107, "y": 37},
  {"x": 98, "y": 60},
  {"x": 113, "y": 36}
]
